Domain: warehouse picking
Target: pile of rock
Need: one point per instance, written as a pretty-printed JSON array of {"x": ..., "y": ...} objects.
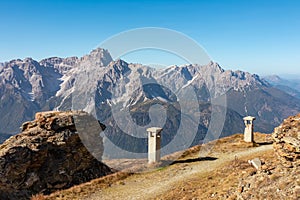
[
  {"x": 49, "y": 155},
  {"x": 287, "y": 140}
]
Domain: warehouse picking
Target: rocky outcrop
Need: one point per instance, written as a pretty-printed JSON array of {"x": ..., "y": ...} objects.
[
  {"x": 287, "y": 140},
  {"x": 48, "y": 155},
  {"x": 278, "y": 178}
]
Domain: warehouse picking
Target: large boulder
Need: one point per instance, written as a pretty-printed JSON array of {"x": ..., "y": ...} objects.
[{"x": 49, "y": 155}]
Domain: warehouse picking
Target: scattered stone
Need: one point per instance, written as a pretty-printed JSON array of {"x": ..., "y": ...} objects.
[{"x": 256, "y": 162}]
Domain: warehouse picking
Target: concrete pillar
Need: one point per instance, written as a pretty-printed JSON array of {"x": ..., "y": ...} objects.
[
  {"x": 154, "y": 140},
  {"x": 248, "y": 134}
]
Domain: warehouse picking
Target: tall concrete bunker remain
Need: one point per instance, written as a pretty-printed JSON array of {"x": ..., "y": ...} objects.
[
  {"x": 154, "y": 140},
  {"x": 248, "y": 134}
]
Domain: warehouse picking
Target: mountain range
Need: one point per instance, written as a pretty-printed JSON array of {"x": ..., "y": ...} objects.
[
  {"x": 290, "y": 86},
  {"x": 28, "y": 86}
]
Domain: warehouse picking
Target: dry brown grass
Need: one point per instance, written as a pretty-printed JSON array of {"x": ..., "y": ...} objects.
[
  {"x": 218, "y": 184},
  {"x": 85, "y": 189},
  {"x": 229, "y": 144}
]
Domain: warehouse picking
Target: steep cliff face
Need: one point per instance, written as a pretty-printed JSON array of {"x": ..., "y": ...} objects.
[{"x": 48, "y": 155}]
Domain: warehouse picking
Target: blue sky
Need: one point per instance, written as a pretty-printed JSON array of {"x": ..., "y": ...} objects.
[{"x": 259, "y": 36}]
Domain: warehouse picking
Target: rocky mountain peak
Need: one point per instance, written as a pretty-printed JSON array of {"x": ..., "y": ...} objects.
[
  {"x": 216, "y": 67},
  {"x": 119, "y": 66},
  {"x": 28, "y": 59},
  {"x": 273, "y": 78},
  {"x": 97, "y": 57},
  {"x": 27, "y": 67},
  {"x": 63, "y": 65}
]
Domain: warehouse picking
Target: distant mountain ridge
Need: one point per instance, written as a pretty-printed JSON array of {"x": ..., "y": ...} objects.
[
  {"x": 28, "y": 86},
  {"x": 290, "y": 86}
]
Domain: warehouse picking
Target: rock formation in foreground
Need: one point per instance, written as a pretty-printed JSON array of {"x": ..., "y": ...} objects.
[
  {"x": 279, "y": 177},
  {"x": 48, "y": 155},
  {"x": 287, "y": 140}
]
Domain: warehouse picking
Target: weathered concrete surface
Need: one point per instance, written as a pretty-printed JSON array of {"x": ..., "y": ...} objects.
[
  {"x": 248, "y": 133},
  {"x": 154, "y": 140}
]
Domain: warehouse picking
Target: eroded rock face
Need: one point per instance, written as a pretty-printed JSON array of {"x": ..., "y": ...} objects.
[
  {"x": 48, "y": 155},
  {"x": 287, "y": 140}
]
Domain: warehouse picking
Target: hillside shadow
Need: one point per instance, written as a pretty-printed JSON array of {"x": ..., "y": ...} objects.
[{"x": 191, "y": 160}]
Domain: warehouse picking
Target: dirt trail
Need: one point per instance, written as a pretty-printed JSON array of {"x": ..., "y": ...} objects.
[{"x": 148, "y": 185}]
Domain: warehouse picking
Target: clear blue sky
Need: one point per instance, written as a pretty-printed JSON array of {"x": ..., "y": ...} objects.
[{"x": 259, "y": 36}]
